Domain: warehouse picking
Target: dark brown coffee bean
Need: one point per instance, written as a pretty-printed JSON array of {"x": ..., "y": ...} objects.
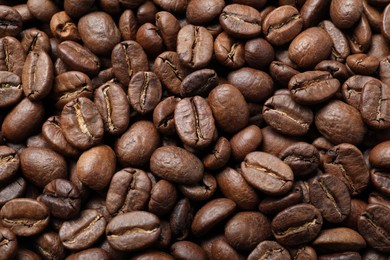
[
  {"x": 35, "y": 40},
  {"x": 99, "y": 39},
  {"x": 81, "y": 123},
  {"x": 282, "y": 25},
  {"x": 310, "y": 47},
  {"x": 13, "y": 189},
  {"x": 76, "y": 9},
  {"x": 136, "y": 145},
  {"x": 220, "y": 249},
  {"x": 194, "y": 46},
  {"x": 176, "y": 164},
  {"x": 168, "y": 27},
  {"x": 269, "y": 249},
  {"x": 150, "y": 40},
  {"x": 235, "y": 187},
  {"x": 204, "y": 221},
  {"x": 151, "y": 254},
  {"x": 127, "y": 59},
  {"x": 273, "y": 142},
  {"x": 379, "y": 47},
  {"x": 345, "y": 13},
  {"x": 267, "y": 173},
  {"x": 340, "y": 49},
  {"x": 218, "y": 156},
  {"x": 380, "y": 180},
  {"x": 201, "y": 191},
  {"x": 313, "y": 87},
  {"x": 12, "y": 56},
  {"x": 245, "y": 141},
  {"x": 313, "y": 11},
  {"x": 343, "y": 255},
  {"x": 42, "y": 14},
  {"x": 229, "y": 51},
  {"x": 357, "y": 208},
  {"x": 240, "y": 21},
  {"x": 385, "y": 29},
  {"x": 62, "y": 198},
  {"x": 128, "y": 25},
  {"x": 163, "y": 198},
  {"x": 181, "y": 219},
  {"x": 379, "y": 155},
  {"x": 297, "y": 224},
  {"x": 361, "y": 36},
  {"x": 111, "y": 101},
  {"x": 35, "y": 167},
  {"x": 187, "y": 250},
  {"x": 384, "y": 68},
  {"x": 362, "y": 64},
  {"x": 339, "y": 239},
  {"x": 38, "y": 75},
  {"x": 204, "y": 11},
  {"x": 337, "y": 69},
  {"x": 9, "y": 163},
  {"x": 49, "y": 246},
  {"x": 133, "y": 231},
  {"x": 63, "y": 28},
  {"x": 340, "y": 123},
  {"x": 200, "y": 82},
  {"x": 281, "y": 73},
  {"x": 177, "y": 7},
  {"x": 82, "y": 232},
  {"x": 163, "y": 116},
  {"x": 10, "y": 89},
  {"x": 303, "y": 253},
  {"x": 91, "y": 253},
  {"x": 373, "y": 254},
  {"x": 352, "y": 88},
  {"x": 24, "y": 217},
  {"x": 146, "y": 12},
  {"x": 11, "y": 21},
  {"x": 246, "y": 230},
  {"x": 93, "y": 173},
  {"x": 8, "y": 243},
  {"x": 78, "y": 57},
  {"x": 128, "y": 191},
  {"x": 259, "y": 53},
  {"x": 331, "y": 196},
  {"x": 346, "y": 162}
]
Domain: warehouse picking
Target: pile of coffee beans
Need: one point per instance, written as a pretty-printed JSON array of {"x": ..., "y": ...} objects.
[{"x": 195, "y": 129}]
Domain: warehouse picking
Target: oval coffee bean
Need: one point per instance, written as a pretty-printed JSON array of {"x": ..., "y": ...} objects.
[
  {"x": 220, "y": 249},
  {"x": 345, "y": 13},
  {"x": 362, "y": 64},
  {"x": 92, "y": 253},
  {"x": 9, "y": 163},
  {"x": 201, "y": 191},
  {"x": 218, "y": 156},
  {"x": 14, "y": 189},
  {"x": 380, "y": 156},
  {"x": 181, "y": 219},
  {"x": 12, "y": 55},
  {"x": 200, "y": 82},
  {"x": 297, "y": 224},
  {"x": 10, "y": 89},
  {"x": 176, "y": 164},
  {"x": 229, "y": 51},
  {"x": 8, "y": 243},
  {"x": 340, "y": 50},
  {"x": 267, "y": 173},
  {"x": 168, "y": 27},
  {"x": 163, "y": 116},
  {"x": 133, "y": 231},
  {"x": 24, "y": 217},
  {"x": 163, "y": 198},
  {"x": 245, "y": 141},
  {"x": 269, "y": 249}
]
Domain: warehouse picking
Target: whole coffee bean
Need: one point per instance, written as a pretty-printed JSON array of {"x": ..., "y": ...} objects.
[
  {"x": 346, "y": 162},
  {"x": 340, "y": 50},
  {"x": 283, "y": 114},
  {"x": 187, "y": 250},
  {"x": 8, "y": 243},
  {"x": 339, "y": 239},
  {"x": 218, "y": 156},
  {"x": 13, "y": 189},
  {"x": 99, "y": 205},
  {"x": 69, "y": 86},
  {"x": 144, "y": 91},
  {"x": 168, "y": 27},
  {"x": 36, "y": 168},
  {"x": 220, "y": 249},
  {"x": 384, "y": 68},
  {"x": 201, "y": 191},
  {"x": 10, "y": 89},
  {"x": 313, "y": 87},
  {"x": 42, "y": 14},
  {"x": 12, "y": 56},
  {"x": 63, "y": 28},
  {"x": 336, "y": 68},
  {"x": 151, "y": 254},
  {"x": 11, "y": 21},
  {"x": 259, "y": 53},
  {"x": 282, "y": 25},
  {"x": 24, "y": 217},
  {"x": 76, "y": 9},
  {"x": 297, "y": 224},
  {"x": 146, "y": 12},
  {"x": 343, "y": 255},
  {"x": 281, "y": 72},
  {"x": 163, "y": 198},
  {"x": 113, "y": 106},
  {"x": 133, "y": 231},
  {"x": 240, "y": 21},
  {"x": 310, "y": 47},
  {"x": 361, "y": 36},
  {"x": 255, "y": 85},
  {"x": 362, "y": 64},
  {"x": 379, "y": 47},
  {"x": 233, "y": 186},
  {"x": 37, "y": 87},
  {"x": 352, "y": 88},
  {"x": 380, "y": 180},
  {"x": 99, "y": 39},
  {"x": 385, "y": 29},
  {"x": 26, "y": 15},
  {"x": 81, "y": 123},
  {"x": 23, "y": 253},
  {"x": 127, "y": 59},
  {"x": 35, "y": 40},
  {"x": 269, "y": 249},
  {"x": 229, "y": 108},
  {"x": 200, "y": 82},
  {"x": 313, "y": 11},
  {"x": 181, "y": 219},
  {"x": 163, "y": 116},
  {"x": 128, "y": 191},
  {"x": 128, "y": 25},
  {"x": 267, "y": 173},
  {"x": 194, "y": 46},
  {"x": 78, "y": 57},
  {"x": 204, "y": 11},
  {"x": 49, "y": 246},
  {"x": 194, "y": 122},
  {"x": 340, "y": 123},
  {"x": 136, "y": 145},
  {"x": 374, "y": 104},
  {"x": 379, "y": 155},
  {"x": 229, "y": 51},
  {"x": 91, "y": 253},
  {"x": 150, "y": 40},
  {"x": 303, "y": 253},
  {"x": 177, "y": 7},
  {"x": 331, "y": 196},
  {"x": 357, "y": 208},
  {"x": 204, "y": 221},
  {"x": 62, "y": 198},
  {"x": 245, "y": 141},
  {"x": 9, "y": 163},
  {"x": 82, "y": 232},
  {"x": 91, "y": 172},
  {"x": 246, "y": 230},
  {"x": 176, "y": 164},
  {"x": 345, "y": 13}
]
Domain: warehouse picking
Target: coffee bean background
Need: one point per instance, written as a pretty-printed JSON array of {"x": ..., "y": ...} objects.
[{"x": 195, "y": 129}]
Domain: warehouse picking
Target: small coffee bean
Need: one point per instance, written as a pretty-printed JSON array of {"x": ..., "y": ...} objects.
[
  {"x": 340, "y": 50},
  {"x": 163, "y": 198},
  {"x": 345, "y": 13},
  {"x": 200, "y": 82},
  {"x": 13, "y": 189},
  {"x": 10, "y": 89},
  {"x": 91, "y": 253},
  {"x": 163, "y": 116},
  {"x": 8, "y": 243},
  {"x": 269, "y": 249},
  {"x": 181, "y": 219},
  {"x": 63, "y": 28},
  {"x": 11, "y": 21},
  {"x": 168, "y": 27},
  {"x": 229, "y": 51},
  {"x": 218, "y": 156},
  {"x": 201, "y": 191},
  {"x": 203, "y": 11},
  {"x": 9, "y": 163}
]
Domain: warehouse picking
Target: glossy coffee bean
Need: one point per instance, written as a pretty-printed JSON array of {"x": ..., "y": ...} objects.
[
  {"x": 96, "y": 253},
  {"x": 187, "y": 250},
  {"x": 228, "y": 51},
  {"x": 13, "y": 189},
  {"x": 218, "y": 156},
  {"x": 270, "y": 249},
  {"x": 9, "y": 243},
  {"x": 245, "y": 141},
  {"x": 199, "y": 82},
  {"x": 345, "y": 13},
  {"x": 201, "y": 191},
  {"x": 10, "y": 89},
  {"x": 11, "y": 21},
  {"x": 259, "y": 53},
  {"x": 10, "y": 163},
  {"x": 163, "y": 198}
]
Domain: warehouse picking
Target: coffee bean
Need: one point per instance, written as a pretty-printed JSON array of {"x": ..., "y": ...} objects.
[
  {"x": 303, "y": 253},
  {"x": 8, "y": 243},
  {"x": 218, "y": 156},
  {"x": 9, "y": 163},
  {"x": 10, "y": 89},
  {"x": 245, "y": 141},
  {"x": 201, "y": 191},
  {"x": 63, "y": 28},
  {"x": 337, "y": 69},
  {"x": 345, "y": 13},
  {"x": 35, "y": 40},
  {"x": 269, "y": 249},
  {"x": 95, "y": 253},
  {"x": 313, "y": 11},
  {"x": 340, "y": 50},
  {"x": 42, "y": 10},
  {"x": 281, "y": 72},
  {"x": 303, "y": 158},
  {"x": 228, "y": 51},
  {"x": 220, "y": 249},
  {"x": 150, "y": 40},
  {"x": 163, "y": 197},
  {"x": 200, "y": 82},
  {"x": 339, "y": 239},
  {"x": 11, "y": 21},
  {"x": 163, "y": 116},
  {"x": 181, "y": 219},
  {"x": 204, "y": 11},
  {"x": 362, "y": 64},
  {"x": 168, "y": 27},
  {"x": 49, "y": 244},
  {"x": 14, "y": 188}
]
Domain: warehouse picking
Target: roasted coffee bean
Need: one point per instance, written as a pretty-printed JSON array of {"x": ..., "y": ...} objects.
[
  {"x": 187, "y": 250},
  {"x": 111, "y": 101},
  {"x": 177, "y": 7},
  {"x": 269, "y": 249},
  {"x": 273, "y": 142},
  {"x": 297, "y": 224},
  {"x": 146, "y": 12},
  {"x": 10, "y": 89},
  {"x": 9, "y": 163},
  {"x": 246, "y": 230},
  {"x": 229, "y": 51},
  {"x": 82, "y": 232},
  {"x": 168, "y": 27},
  {"x": 240, "y": 21},
  {"x": 63, "y": 28},
  {"x": 78, "y": 57},
  {"x": 36, "y": 168},
  {"x": 303, "y": 253},
  {"x": 362, "y": 64},
  {"x": 245, "y": 141},
  {"x": 331, "y": 196},
  {"x": 181, "y": 219},
  {"x": 201, "y": 191},
  {"x": 380, "y": 180},
  {"x": 379, "y": 155},
  {"x": 340, "y": 49},
  {"x": 346, "y": 162},
  {"x": 259, "y": 53},
  {"x": 163, "y": 198},
  {"x": 281, "y": 72},
  {"x": 24, "y": 217},
  {"x": 218, "y": 156},
  {"x": 49, "y": 245},
  {"x": 92, "y": 253},
  {"x": 81, "y": 123},
  {"x": 13, "y": 189},
  {"x": 339, "y": 239},
  {"x": 136, "y": 145},
  {"x": 352, "y": 88},
  {"x": 42, "y": 10},
  {"x": 12, "y": 56},
  {"x": 337, "y": 69},
  {"x": 150, "y": 40},
  {"x": 8, "y": 243},
  {"x": 194, "y": 46},
  {"x": 345, "y": 13},
  {"x": 76, "y": 9},
  {"x": 11, "y": 21},
  {"x": 128, "y": 191},
  {"x": 163, "y": 116},
  {"x": 282, "y": 25},
  {"x": 127, "y": 59},
  {"x": 385, "y": 29},
  {"x": 128, "y": 25},
  {"x": 220, "y": 249},
  {"x": 35, "y": 40},
  {"x": 62, "y": 198},
  {"x": 203, "y": 11},
  {"x": 200, "y": 82}
]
